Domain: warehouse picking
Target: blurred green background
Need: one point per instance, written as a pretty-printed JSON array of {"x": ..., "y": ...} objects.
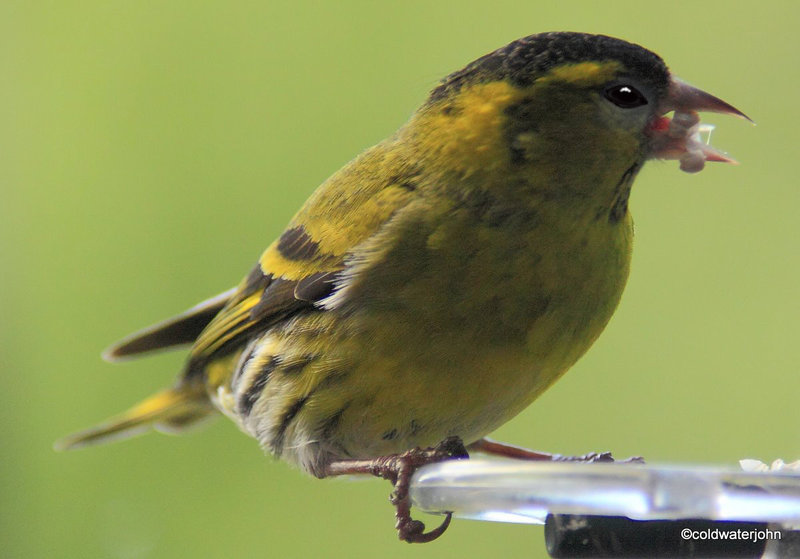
[{"x": 150, "y": 150}]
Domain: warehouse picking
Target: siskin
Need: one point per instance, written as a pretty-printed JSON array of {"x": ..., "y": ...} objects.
[{"x": 437, "y": 284}]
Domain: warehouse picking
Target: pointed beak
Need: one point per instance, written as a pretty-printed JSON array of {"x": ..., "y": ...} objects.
[
  {"x": 684, "y": 98},
  {"x": 680, "y": 137}
]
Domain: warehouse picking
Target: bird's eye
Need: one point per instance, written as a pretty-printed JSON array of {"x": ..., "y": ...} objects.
[{"x": 625, "y": 96}]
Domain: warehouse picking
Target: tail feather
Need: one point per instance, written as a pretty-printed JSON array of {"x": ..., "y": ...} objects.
[{"x": 169, "y": 411}]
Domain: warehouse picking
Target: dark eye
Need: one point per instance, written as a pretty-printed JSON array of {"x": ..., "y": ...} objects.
[{"x": 625, "y": 96}]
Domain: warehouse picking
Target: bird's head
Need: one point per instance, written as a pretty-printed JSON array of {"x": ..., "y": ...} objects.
[{"x": 569, "y": 109}]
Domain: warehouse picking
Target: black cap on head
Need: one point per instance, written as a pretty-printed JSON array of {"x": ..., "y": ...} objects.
[{"x": 524, "y": 59}]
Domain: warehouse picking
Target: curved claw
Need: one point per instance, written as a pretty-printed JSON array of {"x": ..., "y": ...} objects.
[
  {"x": 398, "y": 468},
  {"x": 414, "y": 530}
]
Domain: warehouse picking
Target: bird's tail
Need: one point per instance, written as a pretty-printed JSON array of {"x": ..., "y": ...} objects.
[{"x": 170, "y": 411}]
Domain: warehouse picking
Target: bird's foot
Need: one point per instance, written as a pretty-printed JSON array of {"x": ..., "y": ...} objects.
[
  {"x": 495, "y": 448},
  {"x": 593, "y": 457},
  {"x": 398, "y": 469}
]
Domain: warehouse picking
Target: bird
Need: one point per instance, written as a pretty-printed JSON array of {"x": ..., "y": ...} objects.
[{"x": 438, "y": 283}]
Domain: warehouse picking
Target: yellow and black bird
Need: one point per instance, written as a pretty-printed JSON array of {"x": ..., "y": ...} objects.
[{"x": 437, "y": 284}]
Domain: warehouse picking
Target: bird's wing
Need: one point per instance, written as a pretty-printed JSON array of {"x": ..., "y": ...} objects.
[
  {"x": 172, "y": 333},
  {"x": 301, "y": 266},
  {"x": 260, "y": 301}
]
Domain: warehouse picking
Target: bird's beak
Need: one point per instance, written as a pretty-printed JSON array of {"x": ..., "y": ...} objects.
[
  {"x": 679, "y": 137},
  {"x": 685, "y": 98}
]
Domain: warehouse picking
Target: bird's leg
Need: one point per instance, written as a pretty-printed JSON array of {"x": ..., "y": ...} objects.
[
  {"x": 398, "y": 468},
  {"x": 488, "y": 446}
]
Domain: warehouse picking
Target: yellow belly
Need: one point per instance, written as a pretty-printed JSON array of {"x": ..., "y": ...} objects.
[
  {"x": 467, "y": 367},
  {"x": 453, "y": 344}
]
